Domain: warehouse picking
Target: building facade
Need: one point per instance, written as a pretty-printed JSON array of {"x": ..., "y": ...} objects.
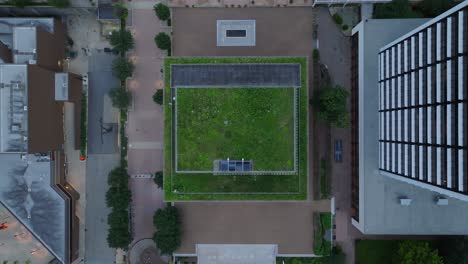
[
  {"x": 422, "y": 105},
  {"x": 409, "y": 167}
]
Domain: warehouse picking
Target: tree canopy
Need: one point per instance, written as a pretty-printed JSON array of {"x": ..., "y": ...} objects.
[
  {"x": 163, "y": 41},
  {"x": 158, "y": 96},
  {"x": 331, "y": 105},
  {"x": 122, "y": 68},
  {"x": 417, "y": 252},
  {"x": 455, "y": 250},
  {"x": 120, "y": 97},
  {"x": 121, "y": 40},
  {"x": 168, "y": 233},
  {"x": 433, "y": 8},
  {"x": 59, "y": 3},
  {"x": 118, "y": 198},
  {"x": 395, "y": 9},
  {"x": 162, "y": 11}
]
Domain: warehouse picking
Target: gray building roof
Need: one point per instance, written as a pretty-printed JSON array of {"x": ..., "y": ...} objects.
[
  {"x": 380, "y": 211},
  {"x": 26, "y": 186}
]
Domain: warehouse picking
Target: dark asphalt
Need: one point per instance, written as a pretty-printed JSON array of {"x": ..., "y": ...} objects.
[{"x": 102, "y": 137}]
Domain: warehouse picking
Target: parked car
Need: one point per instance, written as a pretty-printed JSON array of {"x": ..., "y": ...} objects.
[{"x": 338, "y": 150}]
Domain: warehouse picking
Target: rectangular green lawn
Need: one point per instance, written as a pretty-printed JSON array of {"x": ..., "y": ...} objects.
[
  {"x": 251, "y": 123},
  {"x": 219, "y": 123}
]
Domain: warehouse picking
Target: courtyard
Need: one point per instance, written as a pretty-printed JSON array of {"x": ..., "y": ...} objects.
[{"x": 229, "y": 115}]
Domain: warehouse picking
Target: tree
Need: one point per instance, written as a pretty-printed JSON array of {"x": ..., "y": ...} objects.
[
  {"x": 455, "y": 250},
  {"x": 417, "y": 252},
  {"x": 118, "y": 177},
  {"x": 158, "y": 96},
  {"x": 119, "y": 238},
  {"x": 395, "y": 9},
  {"x": 59, "y": 3},
  {"x": 20, "y": 3},
  {"x": 162, "y": 11},
  {"x": 331, "y": 105},
  {"x": 168, "y": 234},
  {"x": 122, "y": 68},
  {"x": 118, "y": 197},
  {"x": 433, "y": 8},
  {"x": 120, "y": 97},
  {"x": 118, "y": 218},
  {"x": 121, "y": 11},
  {"x": 163, "y": 41},
  {"x": 121, "y": 40},
  {"x": 158, "y": 179}
]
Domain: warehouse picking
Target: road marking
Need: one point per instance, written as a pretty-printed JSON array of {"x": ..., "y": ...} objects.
[
  {"x": 146, "y": 145},
  {"x": 141, "y": 176}
]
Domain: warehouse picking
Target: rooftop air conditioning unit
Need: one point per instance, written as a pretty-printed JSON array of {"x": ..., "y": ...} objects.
[
  {"x": 405, "y": 201},
  {"x": 441, "y": 200},
  {"x": 32, "y": 61}
]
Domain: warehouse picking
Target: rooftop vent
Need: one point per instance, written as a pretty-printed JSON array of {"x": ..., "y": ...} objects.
[
  {"x": 441, "y": 200},
  {"x": 405, "y": 201}
]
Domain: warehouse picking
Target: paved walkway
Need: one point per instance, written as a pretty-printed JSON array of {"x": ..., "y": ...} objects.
[
  {"x": 335, "y": 51},
  {"x": 145, "y": 123},
  {"x": 145, "y": 126},
  {"x": 146, "y": 199}
]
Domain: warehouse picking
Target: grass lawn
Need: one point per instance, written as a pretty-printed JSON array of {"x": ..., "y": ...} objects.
[
  {"x": 376, "y": 251},
  {"x": 251, "y": 123},
  {"x": 259, "y": 127}
]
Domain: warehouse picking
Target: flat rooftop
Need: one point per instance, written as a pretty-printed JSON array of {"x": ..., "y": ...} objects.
[
  {"x": 18, "y": 243},
  {"x": 13, "y": 108},
  {"x": 278, "y": 223},
  {"x": 20, "y": 35},
  {"x": 26, "y": 191},
  {"x": 380, "y": 211},
  {"x": 195, "y": 31}
]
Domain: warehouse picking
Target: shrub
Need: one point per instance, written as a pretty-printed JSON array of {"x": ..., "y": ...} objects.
[
  {"x": 316, "y": 55},
  {"x": 59, "y": 3},
  {"x": 122, "y": 68},
  {"x": 321, "y": 246},
  {"x": 83, "y": 124},
  {"x": 168, "y": 233},
  {"x": 163, "y": 41},
  {"x": 158, "y": 96},
  {"x": 345, "y": 27},
  {"x": 338, "y": 19},
  {"x": 331, "y": 105},
  {"x": 121, "y": 40},
  {"x": 120, "y": 97},
  {"x": 324, "y": 179},
  {"x": 158, "y": 179},
  {"x": 162, "y": 11}
]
